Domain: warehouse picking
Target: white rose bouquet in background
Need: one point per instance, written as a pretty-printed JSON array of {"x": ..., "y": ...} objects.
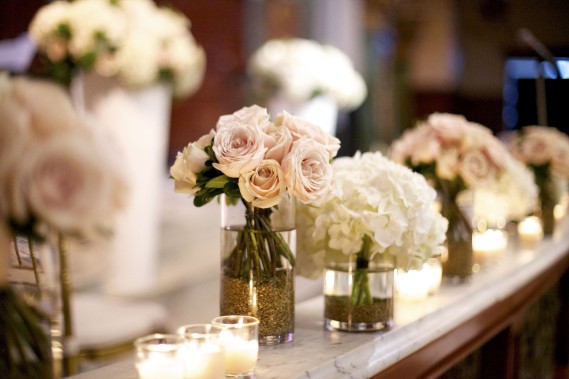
[
  {"x": 132, "y": 40},
  {"x": 375, "y": 207},
  {"x": 545, "y": 151},
  {"x": 56, "y": 176},
  {"x": 301, "y": 69},
  {"x": 251, "y": 159}
]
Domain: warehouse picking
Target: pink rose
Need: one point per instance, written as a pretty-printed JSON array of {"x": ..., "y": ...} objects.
[
  {"x": 449, "y": 127},
  {"x": 307, "y": 170},
  {"x": 239, "y": 141},
  {"x": 278, "y": 141},
  {"x": 300, "y": 128},
  {"x": 265, "y": 186},
  {"x": 63, "y": 183}
]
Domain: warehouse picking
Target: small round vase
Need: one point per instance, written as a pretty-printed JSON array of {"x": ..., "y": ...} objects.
[{"x": 358, "y": 297}]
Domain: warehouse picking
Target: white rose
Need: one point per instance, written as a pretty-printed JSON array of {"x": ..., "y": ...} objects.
[
  {"x": 307, "y": 170},
  {"x": 239, "y": 142},
  {"x": 475, "y": 168},
  {"x": 265, "y": 186},
  {"x": 62, "y": 183},
  {"x": 47, "y": 20},
  {"x": 278, "y": 141},
  {"x": 189, "y": 163},
  {"x": 536, "y": 148},
  {"x": 300, "y": 128}
]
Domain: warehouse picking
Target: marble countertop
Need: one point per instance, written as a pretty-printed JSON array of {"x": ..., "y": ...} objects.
[{"x": 317, "y": 353}]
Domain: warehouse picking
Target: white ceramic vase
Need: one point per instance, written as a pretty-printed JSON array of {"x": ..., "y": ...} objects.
[{"x": 139, "y": 122}]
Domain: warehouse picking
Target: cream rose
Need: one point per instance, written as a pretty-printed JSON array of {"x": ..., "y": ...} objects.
[
  {"x": 278, "y": 141},
  {"x": 307, "y": 170},
  {"x": 475, "y": 168},
  {"x": 62, "y": 183},
  {"x": 265, "y": 186},
  {"x": 447, "y": 164},
  {"x": 300, "y": 128},
  {"x": 189, "y": 163},
  {"x": 238, "y": 143}
]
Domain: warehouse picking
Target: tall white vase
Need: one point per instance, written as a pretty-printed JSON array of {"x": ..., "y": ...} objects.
[
  {"x": 321, "y": 110},
  {"x": 139, "y": 122}
]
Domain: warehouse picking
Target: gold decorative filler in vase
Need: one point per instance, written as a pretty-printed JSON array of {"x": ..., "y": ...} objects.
[
  {"x": 257, "y": 266},
  {"x": 359, "y": 291}
]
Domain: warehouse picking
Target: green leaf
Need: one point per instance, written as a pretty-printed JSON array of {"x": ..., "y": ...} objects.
[
  {"x": 209, "y": 151},
  {"x": 231, "y": 189},
  {"x": 218, "y": 182}
]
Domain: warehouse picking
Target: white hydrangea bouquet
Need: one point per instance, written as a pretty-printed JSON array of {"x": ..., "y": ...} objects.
[
  {"x": 456, "y": 155},
  {"x": 374, "y": 207},
  {"x": 545, "y": 151},
  {"x": 251, "y": 159},
  {"x": 132, "y": 40},
  {"x": 301, "y": 69}
]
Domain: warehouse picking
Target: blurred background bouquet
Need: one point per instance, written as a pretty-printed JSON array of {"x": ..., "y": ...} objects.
[
  {"x": 545, "y": 151},
  {"x": 57, "y": 177},
  {"x": 132, "y": 40}
]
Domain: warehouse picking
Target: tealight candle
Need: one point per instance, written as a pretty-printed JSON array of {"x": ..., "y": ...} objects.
[
  {"x": 157, "y": 357},
  {"x": 240, "y": 342},
  {"x": 489, "y": 244},
  {"x": 418, "y": 284},
  {"x": 529, "y": 230},
  {"x": 201, "y": 352}
]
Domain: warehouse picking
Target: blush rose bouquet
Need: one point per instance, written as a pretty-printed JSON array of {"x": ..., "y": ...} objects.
[
  {"x": 259, "y": 162},
  {"x": 57, "y": 177},
  {"x": 456, "y": 155},
  {"x": 545, "y": 151},
  {"x": 134, "y": 41}
]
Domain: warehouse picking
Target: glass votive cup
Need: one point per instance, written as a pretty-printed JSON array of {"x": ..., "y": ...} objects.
[
  {"x": 240, "y": 340},
  {"x": 201, "y": 351},
  {"x": 157, "y": 357}
]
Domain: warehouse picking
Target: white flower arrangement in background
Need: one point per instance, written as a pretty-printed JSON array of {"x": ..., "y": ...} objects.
[
  {"x": 301, "y": 69},
  {"x": 57, "y": 172},
  {"x": 133, "y": 40},
  {"x": 374, "y": 206}
]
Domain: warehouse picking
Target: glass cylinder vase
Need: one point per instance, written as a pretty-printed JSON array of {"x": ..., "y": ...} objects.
[
  {"x": 458, "y": 259},
  {"x": 257, "y": 266},
  {"x": 548, "y": 199},
  {"x": 35, "y": 299},
  {"x": 358, "y": 293}
]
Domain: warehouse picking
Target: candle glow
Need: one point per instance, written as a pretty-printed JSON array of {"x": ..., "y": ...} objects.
[{"x": 530, "y": 230}]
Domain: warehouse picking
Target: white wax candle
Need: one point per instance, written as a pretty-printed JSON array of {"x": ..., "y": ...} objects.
[
  {"x": 240, "y": 354},
  {"x": 157, "y": 366},
  {"x": 529, "y": 230},
  {"x": 418, "y": 284},
  {"x": 202, "y": 362},
  {"x": 489, "y": 243}
]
